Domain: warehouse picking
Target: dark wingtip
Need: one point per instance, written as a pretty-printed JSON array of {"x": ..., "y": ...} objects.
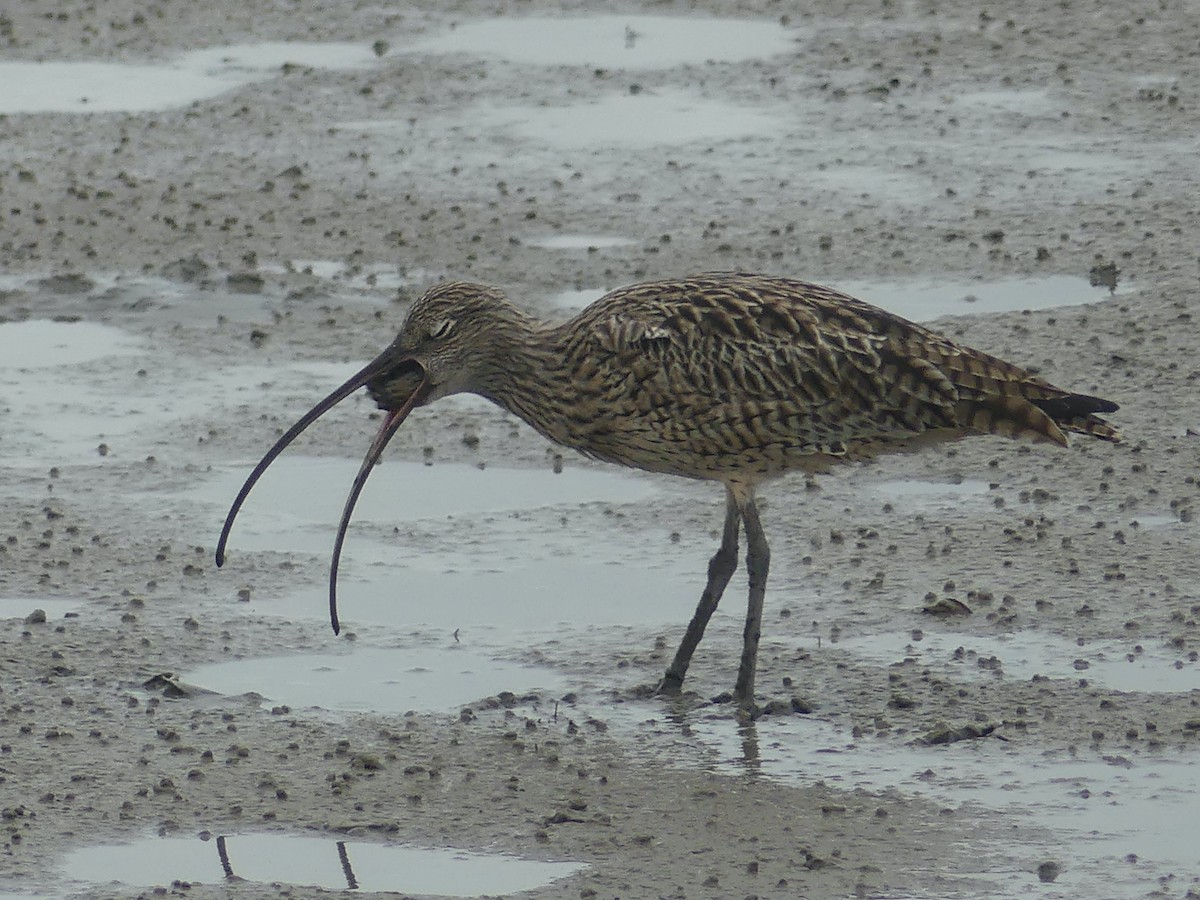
[
  {"x": 220, "y": 557},
  {"x": 1071, "y": 406},
  {"x": 1108, "y": 406}
]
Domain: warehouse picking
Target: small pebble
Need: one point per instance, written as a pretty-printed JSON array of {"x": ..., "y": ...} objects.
[{"x": 1049, "y": 871}]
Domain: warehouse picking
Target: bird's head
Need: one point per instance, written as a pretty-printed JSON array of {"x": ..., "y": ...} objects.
[{"x": 446, "y": 345}]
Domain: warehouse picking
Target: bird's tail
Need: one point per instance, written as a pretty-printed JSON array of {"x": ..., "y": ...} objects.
[
  {"x": 1077, "y": 413},
  {"x": 997, "y": 397},
  {"x": 1037, "y": 418}
]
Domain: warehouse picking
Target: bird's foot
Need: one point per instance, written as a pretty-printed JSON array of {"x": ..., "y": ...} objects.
[
  {"x": 671, "y": 685},
  {"x": 665, "y": 688},
  {"x": 746, "y": 710},
  {"x": 644, "y": 691}
]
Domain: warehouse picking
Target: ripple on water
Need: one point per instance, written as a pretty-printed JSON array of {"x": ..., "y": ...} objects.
[{"x": 312, "y": 861}]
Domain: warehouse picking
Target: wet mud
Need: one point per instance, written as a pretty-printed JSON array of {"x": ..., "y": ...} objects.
[{"x": 979, "y": 667}]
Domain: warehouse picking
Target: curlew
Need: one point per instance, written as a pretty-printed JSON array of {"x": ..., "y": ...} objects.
[{"x": 726, "y": 377}]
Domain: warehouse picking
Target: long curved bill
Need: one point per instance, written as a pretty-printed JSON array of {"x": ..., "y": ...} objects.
[{"x": 391, "y": 422}]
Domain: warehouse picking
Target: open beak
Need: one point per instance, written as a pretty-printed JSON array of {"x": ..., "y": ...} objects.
[{"x": 391, "y": 421}]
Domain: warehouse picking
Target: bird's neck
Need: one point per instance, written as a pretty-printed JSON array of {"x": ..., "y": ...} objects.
[
  {"x": 526, "y": 375},
  {"x": 506, "y": 365}
]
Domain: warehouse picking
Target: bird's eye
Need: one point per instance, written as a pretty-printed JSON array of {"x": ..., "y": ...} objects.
[{"x": 442, "y": 328}]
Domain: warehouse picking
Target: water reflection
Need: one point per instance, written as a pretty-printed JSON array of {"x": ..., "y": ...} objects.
[{"x": 315, "y": 861}]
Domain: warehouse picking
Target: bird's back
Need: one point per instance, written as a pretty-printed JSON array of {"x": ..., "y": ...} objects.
[{"x": 730, "y": 374}]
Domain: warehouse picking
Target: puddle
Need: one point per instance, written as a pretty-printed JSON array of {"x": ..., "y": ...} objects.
[
  {"x": 86, "y": 86},
  {"x": 1096, "y": 810},
  {"x": 579, "y": 241},
  {"x": 66, "y": 385},
  {"x": 921, "y": 301},
  {"x": 613, "y": 42},
  {"x": 923, "y": 495},
  {"x": 44, "y": 344},
  {"x": 312, "y": 861},
  {"x": 299, "y": 493},
  {"x": 73, "y": 87},
  {"x": 1162, "y": 520},
  {"x": 1117, "y": 665},
  {"x": 20, "y": 607},
  {"x": 376, "y": 679},
  {"x": 528, "y": 550},
  {"x": 667, "y": 117},
  {"x": 548, "y": 597},
  {"x": 87, "y": 390},
  {"x": 505, "y": 574},
  {"x": 148, "y": 295}
]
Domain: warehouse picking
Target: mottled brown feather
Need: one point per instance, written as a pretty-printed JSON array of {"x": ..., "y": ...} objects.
[{"x": 739, "y": 377}]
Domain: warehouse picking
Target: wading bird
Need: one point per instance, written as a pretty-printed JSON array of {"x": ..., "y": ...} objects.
[{"x": 726, "y": 377}]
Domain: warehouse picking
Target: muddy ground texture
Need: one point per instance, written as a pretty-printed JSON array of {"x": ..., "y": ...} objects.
[{"x": 208, "y": 195}]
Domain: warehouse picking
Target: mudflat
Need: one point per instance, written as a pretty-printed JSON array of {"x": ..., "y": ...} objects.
[{"x": 979, "y": 663}]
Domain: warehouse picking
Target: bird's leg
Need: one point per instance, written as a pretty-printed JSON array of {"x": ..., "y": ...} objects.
[
  {"x": 758, "y": 562},
  {"x": 720, "y": 570}
]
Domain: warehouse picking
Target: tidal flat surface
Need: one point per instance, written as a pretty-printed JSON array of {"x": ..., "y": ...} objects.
[{"x": 980, "y": 660}]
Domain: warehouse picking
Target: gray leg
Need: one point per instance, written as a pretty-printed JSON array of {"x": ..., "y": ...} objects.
[
  {"x": 758, "y": 561},
  {"x": 720, "y": 570}
]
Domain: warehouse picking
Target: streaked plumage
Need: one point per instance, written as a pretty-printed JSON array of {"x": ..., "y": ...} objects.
[{"x": 730, "y": 377}]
